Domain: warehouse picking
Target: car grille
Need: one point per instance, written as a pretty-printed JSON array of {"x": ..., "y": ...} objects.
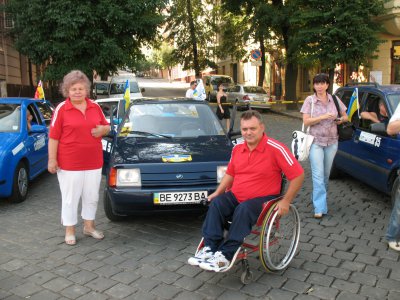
[{"x": 178, "y": 179}]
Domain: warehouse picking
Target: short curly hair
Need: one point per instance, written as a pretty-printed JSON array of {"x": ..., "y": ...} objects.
[{"x": 73, "y": 77}]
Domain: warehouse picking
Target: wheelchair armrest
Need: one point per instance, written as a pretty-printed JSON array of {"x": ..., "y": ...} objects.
[{"x": 266, "y": 207}]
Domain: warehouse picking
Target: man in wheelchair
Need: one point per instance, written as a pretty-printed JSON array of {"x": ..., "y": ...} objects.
[{"x": 253, "y": 177}]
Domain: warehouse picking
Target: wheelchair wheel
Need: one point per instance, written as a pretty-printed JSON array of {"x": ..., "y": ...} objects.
[{"x": 279, "y": 239}]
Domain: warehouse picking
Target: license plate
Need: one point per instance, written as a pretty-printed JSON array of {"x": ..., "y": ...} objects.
[{"x": 179, "y": 198}]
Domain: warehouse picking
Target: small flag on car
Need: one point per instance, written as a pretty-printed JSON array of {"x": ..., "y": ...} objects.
[{"x": 39, "y": 94}]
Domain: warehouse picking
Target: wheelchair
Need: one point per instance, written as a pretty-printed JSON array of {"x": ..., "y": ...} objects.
[{"x": 276, "y": 241}]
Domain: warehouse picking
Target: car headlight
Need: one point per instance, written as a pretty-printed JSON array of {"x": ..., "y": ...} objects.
[
  {"x": 221, "y": 170},
  {"x": 129, "y": 177}
]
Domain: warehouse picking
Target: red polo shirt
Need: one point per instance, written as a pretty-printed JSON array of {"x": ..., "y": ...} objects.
[
  {"x": 258, "y": 173},
  {"x": 77, "y": 149}
]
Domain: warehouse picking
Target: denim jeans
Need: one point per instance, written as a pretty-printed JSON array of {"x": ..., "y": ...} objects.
[
  {"x": 321, "y": 159},
  {"x": 393, "y": 231}
]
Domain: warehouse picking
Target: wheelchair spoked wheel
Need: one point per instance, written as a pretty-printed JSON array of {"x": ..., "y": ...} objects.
[{"x": 279, "y": 239}]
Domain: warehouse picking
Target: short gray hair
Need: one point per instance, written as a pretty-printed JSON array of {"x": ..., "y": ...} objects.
[{"x": 73, "y": 77}]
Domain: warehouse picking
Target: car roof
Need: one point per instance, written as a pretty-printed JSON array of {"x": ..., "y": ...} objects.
[
  {"x": 386, "y": 89},
  {"x": 162, "y": 100},
  {"x": 18, "y": 100}
]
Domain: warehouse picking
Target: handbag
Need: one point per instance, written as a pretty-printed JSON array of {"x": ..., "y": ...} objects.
[
  {"x": 346, "y": 129},
  {"x": 302, "y": 141}
]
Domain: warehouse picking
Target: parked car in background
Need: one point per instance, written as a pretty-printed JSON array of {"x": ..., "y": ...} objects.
[
  {"x": 23, "y": 152},
  {"x": 371, "y": 156},
  {"x": 100, "y": 89},
  {"x": 166, "y": 156},
  {"x": 117, "y": 87},
  {"x": 211, "y": 85},
  {"x": 252, "y": 95}
]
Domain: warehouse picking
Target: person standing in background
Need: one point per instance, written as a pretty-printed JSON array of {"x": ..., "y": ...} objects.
[
  {"x": 190, "y": 91},
  {"x": 223, "y": 111},
  {"x": 75, "y": 154},
  {"x": 323, "y": 123}
]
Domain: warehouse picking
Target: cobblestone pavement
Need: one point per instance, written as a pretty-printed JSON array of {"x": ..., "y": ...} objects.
[{"x": 343, "y": 256}]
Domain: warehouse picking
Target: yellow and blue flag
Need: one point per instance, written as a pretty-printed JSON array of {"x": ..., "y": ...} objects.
[
  {"x": 353, "y": 105},
  {"x": 127, "y": 94}
]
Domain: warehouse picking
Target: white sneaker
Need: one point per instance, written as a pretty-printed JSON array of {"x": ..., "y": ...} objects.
[
  {"x": 394, "y": 245},
  {"x": 216, "y": 263},
  {"x": 204, "y": 254}
]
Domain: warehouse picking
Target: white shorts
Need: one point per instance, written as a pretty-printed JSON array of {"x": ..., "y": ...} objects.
[{"x": 75, "y": 185}]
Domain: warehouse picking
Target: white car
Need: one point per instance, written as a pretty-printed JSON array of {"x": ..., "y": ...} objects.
[
  {"x": 112, "y": 106},
  {"x": 117, "y": 87},
  {"x": 254, "y": 96}
]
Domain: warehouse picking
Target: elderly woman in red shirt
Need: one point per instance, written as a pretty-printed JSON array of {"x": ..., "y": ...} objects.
[
  {"x": 75, "y": 154},
  {"x": 320, "y": 113}
]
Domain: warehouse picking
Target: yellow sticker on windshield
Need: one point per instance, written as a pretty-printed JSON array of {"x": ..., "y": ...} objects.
[{"x": 176, "y": 158}]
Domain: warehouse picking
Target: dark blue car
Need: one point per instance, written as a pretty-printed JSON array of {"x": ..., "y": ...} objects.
[
  {"x": 371, "y": 155},
  {"x": 166, "y": 156},
  {"x": 23, "y": 152}
]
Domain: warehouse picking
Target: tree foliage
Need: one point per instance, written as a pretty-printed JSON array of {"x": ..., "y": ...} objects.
[
  {"x": 99, "y": 35},
  {"x": 191, "y": 25},
  {"x": 337, "y": 31}
]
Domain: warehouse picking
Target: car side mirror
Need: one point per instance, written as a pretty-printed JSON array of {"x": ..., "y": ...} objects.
[
  {"x": 378, "y": 128},
  {"x": 38, "y": 129}
]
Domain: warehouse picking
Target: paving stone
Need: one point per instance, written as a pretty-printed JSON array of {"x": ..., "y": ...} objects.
[
  {"x": 329, "y": 260},
  {"x": 194, "y": 296},
  {"x": 324, "y": 250},
  {"x": 378, "y": 271},
  {"x": 373, "y": 292},
  {"x": 305, "y": 297},
  {"x": 339, "y": 273},
  {"x": 278, "y": 294},
  {"x": 297, "y": 274},
  {"x": 343, "y": 246},
  {"x": 93, "y": 295},
  {"x": 44, "y": 295},
  {"x": 365, "y": 279},
  {"x": 167, "y": 277},
  {"x": 164, "y": 291},
  {"x": 101, "y": 284},
  {"x": 98, "y": 255},
  {"x": 13, "y": 265},
  {"x": 367, "y": 259},
  {"x": 189, "y": 283},
  {"x": 388, "y": 284},
  {"x": 66, "y": 270},
  {"x": 272, "y": 280},
  {"x": 323, "y": 292},
  {"x": 82, "y": 277},
  {"x": 393, "y": 295},
  {"x": 148, "y": 271},
  {"x": 170, "y": 265},
  {"x": 210, "y": 290},
  {"x": 91, "y": 265},
  {"x": 75, "y": 291},
  {"x": 126, "y": 277},
  {"x": 320, "y": 242},
  {"x": 27, "y": 271},
  {"x": 57, "y": 284},
  {"x": 337, "y": 237},
  {"x": 342, "y": 285},
  {"x": 395, "y": 274},
  {"x": 319, "y": 279},
  {"x": 107, "y": 271},
  {"x": 353, "y": 266},
  {"x": 42, "y": 277},
  {"x": 145, "y": 284},
  {"x": 140, "y": 295},
  {"x": 308, "y": 255},
  {"x": 344, "y": 255},
  {"x": 315, "y": 267},
  {"x": 120, "y": 291},
  {"x": 296, "y": 286},
  {"x": 229, "y": 295},
  {"x": 350, "y": 296},
  {"x": 25, "y": 290}
]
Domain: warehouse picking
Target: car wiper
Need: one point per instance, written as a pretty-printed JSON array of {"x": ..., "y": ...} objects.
[{"x": 150, "y": 134}]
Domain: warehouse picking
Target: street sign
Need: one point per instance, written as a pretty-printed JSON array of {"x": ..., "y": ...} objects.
[
  {"x": 255, "y": 54},
  {"x": 256, "y": 63}
]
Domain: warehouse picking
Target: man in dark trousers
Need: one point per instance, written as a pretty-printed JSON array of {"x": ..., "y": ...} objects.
[{"x": 253, "y": 177}]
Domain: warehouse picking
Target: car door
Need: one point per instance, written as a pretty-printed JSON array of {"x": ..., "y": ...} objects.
[
  {"x": 370, "y": 151},
  {"x": 36, "y": 143}
]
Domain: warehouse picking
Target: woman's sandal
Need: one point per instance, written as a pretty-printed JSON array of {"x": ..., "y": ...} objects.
[
  {"x": 70, "y": 240},
  {"x": 98, "y": 235}
]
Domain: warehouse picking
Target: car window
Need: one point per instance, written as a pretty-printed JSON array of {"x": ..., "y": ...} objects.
[
  {"x": 36, "y": 120},
  {"x": 393, "y": 101},
  {"x": 236, "y": 88},
  {"x": 119, "y": 87},
  {"x": 46, "y": 112},
  {"x": 101, "y": 88},
  {"x": 369, "y": 104},
  {"x": 171, "y": 119},
  {"x": 106, "y": 108},
  {"x": 254, "y": 90},
  {"x": 10, "y": 117}
]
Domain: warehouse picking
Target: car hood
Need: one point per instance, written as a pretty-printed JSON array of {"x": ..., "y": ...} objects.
[{"x": 131, "y": 150}]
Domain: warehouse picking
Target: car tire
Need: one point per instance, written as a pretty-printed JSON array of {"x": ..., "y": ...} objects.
[
  {"x": 395, "y": 191},
  {"x": 108, "y": 209},
  {"x": 335, "y": 172},
  {"x": 20, "y": 183}
]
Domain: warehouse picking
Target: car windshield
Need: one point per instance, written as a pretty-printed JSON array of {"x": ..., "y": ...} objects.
[
  {"x": 219, "y": 80},
  {"x": 254, "y": 90},
  {"x": 182, "y": 120},
  {"x": 10, "y": 116},
  {"x": 394, "y": 100},
  {"x": 119, "y": 87}
]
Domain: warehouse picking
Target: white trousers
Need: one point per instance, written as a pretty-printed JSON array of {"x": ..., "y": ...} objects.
[{"x": 75, "y": 185}]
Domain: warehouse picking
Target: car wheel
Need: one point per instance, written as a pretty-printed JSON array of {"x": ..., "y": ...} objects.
[
  {"x": 335, "y": 172},
  {"x": 108, "y": 209},
  {"x": 20, "y": 183},
  {"x": 395, "y": 191}
]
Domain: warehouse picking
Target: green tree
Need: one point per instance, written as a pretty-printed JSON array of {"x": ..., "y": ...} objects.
[
  {"x": 96, "y": 35},
  {"x": 190, "y": 24},
  {"x": 337, "y": 31},
  {"x": 167, "y": 58}
]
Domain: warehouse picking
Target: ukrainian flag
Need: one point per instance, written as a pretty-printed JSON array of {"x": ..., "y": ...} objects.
[
  {"x": 353, "y": 105},
  {"x": 127, "y": 95}
]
